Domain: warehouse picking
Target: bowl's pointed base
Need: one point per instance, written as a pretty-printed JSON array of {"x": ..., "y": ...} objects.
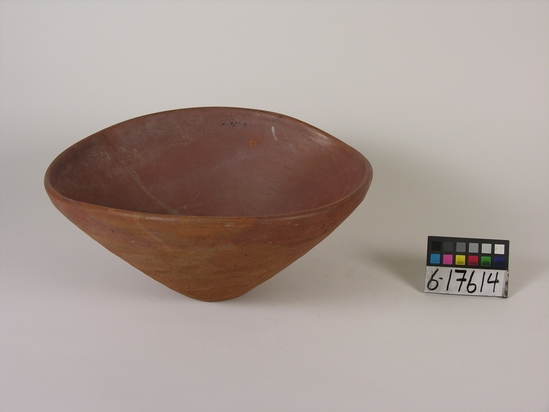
[{"x": 209, "y": 259}]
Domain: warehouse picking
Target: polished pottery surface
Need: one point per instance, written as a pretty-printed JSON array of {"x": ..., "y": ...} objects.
[{"x": 210, "y": 202}]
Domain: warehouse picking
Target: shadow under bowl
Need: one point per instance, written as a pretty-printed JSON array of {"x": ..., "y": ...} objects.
[{"x": 212, "y": 201}]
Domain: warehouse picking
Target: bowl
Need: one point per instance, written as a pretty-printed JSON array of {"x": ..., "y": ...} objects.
[{"x": 212, "y": 201}]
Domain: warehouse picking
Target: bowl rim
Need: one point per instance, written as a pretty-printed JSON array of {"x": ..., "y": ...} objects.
[{"x": 57, "y": 197}]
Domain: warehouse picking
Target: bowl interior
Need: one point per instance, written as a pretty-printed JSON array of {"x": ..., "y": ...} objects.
[{"x": 210, "y": 162}]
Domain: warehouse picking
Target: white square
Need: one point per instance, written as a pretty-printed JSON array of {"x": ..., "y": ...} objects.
[
  {"x": 486, "y": 248},
  {"x": 499, "y": 249}
]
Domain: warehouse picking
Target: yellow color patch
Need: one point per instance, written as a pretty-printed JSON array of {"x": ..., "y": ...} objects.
[{"x": 460, "y": 260}]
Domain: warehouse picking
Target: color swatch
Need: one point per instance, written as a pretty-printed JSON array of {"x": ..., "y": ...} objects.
[
  {"x": 470, "y": 253},
  {"x": 467, "y": 266}
]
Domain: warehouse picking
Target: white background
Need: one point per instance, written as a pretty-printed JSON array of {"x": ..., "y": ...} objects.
[{"x": 448, "y": 100}]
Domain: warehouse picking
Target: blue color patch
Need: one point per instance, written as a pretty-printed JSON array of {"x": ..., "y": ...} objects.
[
  {"x": 499, "y": 261},
  {"x": 435, "y": 259}
]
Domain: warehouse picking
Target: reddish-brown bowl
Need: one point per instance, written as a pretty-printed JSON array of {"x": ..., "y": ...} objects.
[{"x": 210, "y": 201}]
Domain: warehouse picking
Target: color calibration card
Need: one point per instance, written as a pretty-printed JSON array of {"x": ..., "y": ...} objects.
[{"x": 464, "y": 266}]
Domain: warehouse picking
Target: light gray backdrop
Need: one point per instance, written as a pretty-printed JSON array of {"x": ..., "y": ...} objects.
[{"x": 448, "y": 100}]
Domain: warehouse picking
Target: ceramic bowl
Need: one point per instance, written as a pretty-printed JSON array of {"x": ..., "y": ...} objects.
[{"x": 210, "y": 202}]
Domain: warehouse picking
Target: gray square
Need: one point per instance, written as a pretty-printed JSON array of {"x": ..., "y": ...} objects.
[
  {"x": 460, "y": 247},
  {"x": 487, "y": 248},
  {"x": 448, "y": 246},
  {"x": 473, "y": 247}
]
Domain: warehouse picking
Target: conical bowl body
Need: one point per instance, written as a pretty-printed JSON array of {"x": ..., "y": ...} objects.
[{"x": 210, "y": 202}]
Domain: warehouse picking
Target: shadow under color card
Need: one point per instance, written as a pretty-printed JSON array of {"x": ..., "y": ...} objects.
[{"x": 467, "y": 266}]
